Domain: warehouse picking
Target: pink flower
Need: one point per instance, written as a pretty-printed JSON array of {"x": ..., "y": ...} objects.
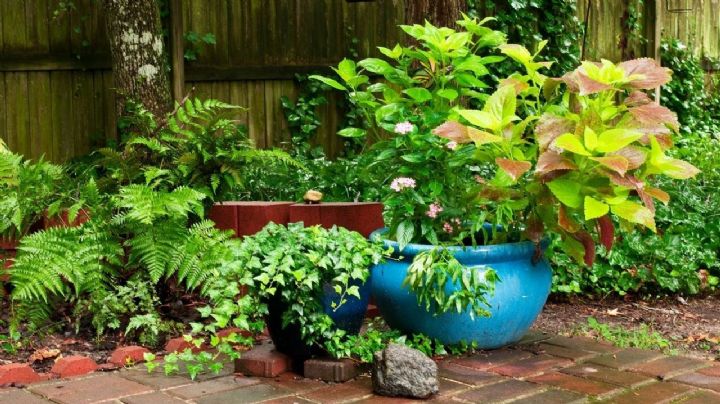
[
  {"x": 452, "y": 145},
  {"x": 400, "y": 183},
  {"x": 404, "y": 128},
  {"x": 434, "y": 210},
  {"x": 447, "y": 227}
]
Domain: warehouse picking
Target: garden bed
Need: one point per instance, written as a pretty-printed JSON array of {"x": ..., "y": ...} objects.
[{"x": 692, "y": 325}]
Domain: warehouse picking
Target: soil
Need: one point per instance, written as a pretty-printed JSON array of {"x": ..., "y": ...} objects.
[{"x": 692, "y": 325}]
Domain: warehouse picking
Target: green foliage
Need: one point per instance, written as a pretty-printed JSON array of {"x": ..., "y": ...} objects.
[
  {"x": 643, "y": 337},
  {"x": 195, "y": 42},
  {"x": 528, "y": 22},
  {"x": 295, "y": 264},
  {"x": 683, "y": 256},
  {"x": 26, "y": 188},
  {"x": 432, "y": 271}
]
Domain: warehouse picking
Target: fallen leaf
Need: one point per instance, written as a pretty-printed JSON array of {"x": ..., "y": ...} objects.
[
  {"x": 613, "y": 312},
  {"x": 42, "y": 354}
]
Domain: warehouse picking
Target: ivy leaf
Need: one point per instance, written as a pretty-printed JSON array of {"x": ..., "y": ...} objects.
[
  {"x": 566, "y": 191},
  {"x": 594, "y": 208},
  {"x": 635, "y": 213},
  {"x": 405, "y": 233}
]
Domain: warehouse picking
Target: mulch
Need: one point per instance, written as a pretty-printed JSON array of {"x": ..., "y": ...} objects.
[{"x": 691, "y": 324}]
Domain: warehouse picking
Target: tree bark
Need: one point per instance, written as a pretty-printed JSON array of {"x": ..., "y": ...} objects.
[
  {"x": 441, "y": 13},
  {"x": 138, "y": 55}
]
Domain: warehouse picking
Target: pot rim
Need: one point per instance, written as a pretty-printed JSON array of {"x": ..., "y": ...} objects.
[{"x": 487, "y": 253}]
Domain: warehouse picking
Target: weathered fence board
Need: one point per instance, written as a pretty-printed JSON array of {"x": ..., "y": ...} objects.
[{"x": 56, "y": 90}]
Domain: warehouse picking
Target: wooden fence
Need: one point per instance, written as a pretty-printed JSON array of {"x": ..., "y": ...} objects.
[{"x": 56, "y": 91}]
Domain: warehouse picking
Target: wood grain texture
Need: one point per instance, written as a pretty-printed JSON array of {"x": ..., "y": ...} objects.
[{"x": 57, "y": 96}]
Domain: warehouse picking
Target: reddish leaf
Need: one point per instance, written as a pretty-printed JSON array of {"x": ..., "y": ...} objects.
[
  {"x": 454, "y": 131},
  {"x": 647, "y": 199},
  {"x": 627, "y": 181},
  {"x": 586, "y": 240},
  {"x": 651, "y": 115},
  {"x": 619, "y": 164},
  {"x": 535, "y": 228},
  {"x": 658, "y": 194},
  {"x": 606, "y": 230},
  {"x": 635, "y": 156},
  {"x": 578, "y": 81},
  {"x": 649, "y": 73},
  {"x": 520, "y": 86},
  {"x": 566, "y": 222},
  {"x": 551, "y": 126},
  {"x": 514, "y": 168},
  {"x": 551, "y": 161},
  {"x": 637, "y": 98}
]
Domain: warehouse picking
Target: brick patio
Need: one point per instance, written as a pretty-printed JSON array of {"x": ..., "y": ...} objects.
[{"x": 541, "y": 369}]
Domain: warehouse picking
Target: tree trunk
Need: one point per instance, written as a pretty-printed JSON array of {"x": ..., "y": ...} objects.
[
  {"x": 139, "y": 64},
  {"x": 441, "y": 13}
]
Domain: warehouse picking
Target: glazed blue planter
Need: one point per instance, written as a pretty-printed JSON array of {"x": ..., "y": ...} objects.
[
  {"x": 518, "y": 299},
  {"x": 350, "y": 315}
]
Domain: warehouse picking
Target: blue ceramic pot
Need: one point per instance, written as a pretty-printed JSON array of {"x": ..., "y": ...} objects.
[
  {"x": 348, "y": 317},
  {"x": 518, "y": 299}
]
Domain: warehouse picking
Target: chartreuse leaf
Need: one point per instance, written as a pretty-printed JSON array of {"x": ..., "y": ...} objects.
[
  {"x": 481, "y": 137},
  {"x": 594, "y": 208},
  {"x": 591, "y": 138},
  {"x": 482, "y": 119},
  {"x": 346, "y": 69},
  {"x": 661, "y": 164},
  {"x": 571, "y": 143},
  {"x": 566, "y": 191},
  {"x": 615, "y": 139},
  {"x": 635, "y": 213},
  {"x": 501, "y": 104}
]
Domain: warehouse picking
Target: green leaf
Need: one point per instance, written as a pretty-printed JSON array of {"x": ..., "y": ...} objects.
[
  {"x": 332, "y": 83},
  {"x": 405, "y": 233},
  {"x": 352, "y": 132},
  {"x": 419, "y": 94},
  {"x": 447, "y": 93},
  {"x": 595, "y": 208},
  {"x": 635, "y": 213},
  {"x": 571, "y": 143},
  {"x": 501, "y": 104},
  {"x": 378, "y": 66},
  {"x": 615, "y": 139},
  {"x": 482, "y": 119},
  {"x": 346, "y": 69},
  {"x": 566, "y": 191}
]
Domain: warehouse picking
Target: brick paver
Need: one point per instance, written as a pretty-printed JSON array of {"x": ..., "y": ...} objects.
[{"x": 540, "y": 369}]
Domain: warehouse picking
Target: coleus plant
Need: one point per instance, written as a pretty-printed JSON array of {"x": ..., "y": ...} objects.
[{"x": 589, "y": 161}]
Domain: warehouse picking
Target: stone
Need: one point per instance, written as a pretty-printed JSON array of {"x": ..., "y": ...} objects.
[
  {"x": 75, "y": 365},
  {"x": 128, "y": 355},
  {"x": 608, "y": 375},
  {"x": 313, "y": 196},
  {"x": 262, "y": 361},
  {"x": 402, "y": 371},
  {"x": 487, "y": 360},
  {"x": 331, "y": 370},
  {"x": 18, "y": 373}
]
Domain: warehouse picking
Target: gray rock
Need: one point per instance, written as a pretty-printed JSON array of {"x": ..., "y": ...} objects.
[{"x": 402, "y": 371}]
